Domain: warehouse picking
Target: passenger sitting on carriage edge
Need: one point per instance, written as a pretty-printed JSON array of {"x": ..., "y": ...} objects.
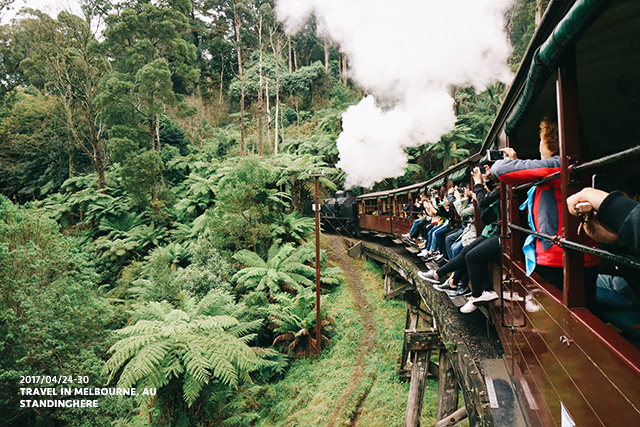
[
  {"x": 472, "y": 263},
  {"x": 455, "y": 241},
  {"x": 435, "y": 241},
  {"x": 420, "y": 205},
  {"x": 545, "y": 209}
]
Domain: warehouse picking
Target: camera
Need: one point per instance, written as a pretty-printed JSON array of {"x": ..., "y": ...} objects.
[{"x": 494, "y": 155}]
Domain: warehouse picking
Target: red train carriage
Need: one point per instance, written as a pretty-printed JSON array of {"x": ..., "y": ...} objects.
[{"x": 570, "y": 365}]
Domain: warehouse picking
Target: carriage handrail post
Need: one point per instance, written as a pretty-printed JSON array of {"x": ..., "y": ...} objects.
[{"x": 569, "y": 135}]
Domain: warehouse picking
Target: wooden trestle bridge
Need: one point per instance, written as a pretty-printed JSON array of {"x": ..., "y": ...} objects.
[{"x": 434, "y": 324}]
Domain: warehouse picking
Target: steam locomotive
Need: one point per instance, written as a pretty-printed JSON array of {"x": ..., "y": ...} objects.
[{"x": 339, "y": 213}]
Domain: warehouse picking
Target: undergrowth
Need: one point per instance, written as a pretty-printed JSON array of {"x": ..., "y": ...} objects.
[{"x": 311, "y": 388}]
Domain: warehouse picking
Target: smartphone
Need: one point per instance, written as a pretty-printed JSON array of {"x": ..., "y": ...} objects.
[
  {"x": 601, "y": 181},
  {"x": 494, "y": 155}
]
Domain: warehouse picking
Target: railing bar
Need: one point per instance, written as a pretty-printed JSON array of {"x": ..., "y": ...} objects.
[
  {"x": 608, "y": 159},
  {"x": 587, "y": 165},
  {"x": 557, "y": 240}
]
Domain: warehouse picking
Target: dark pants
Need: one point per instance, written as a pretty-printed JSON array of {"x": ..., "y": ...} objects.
[
  {"x": 458, "y": 263},
  {"x": 477, "y": 260}
]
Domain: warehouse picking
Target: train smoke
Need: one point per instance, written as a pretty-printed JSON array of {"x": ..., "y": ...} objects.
[{"x": 407, "y": 55}]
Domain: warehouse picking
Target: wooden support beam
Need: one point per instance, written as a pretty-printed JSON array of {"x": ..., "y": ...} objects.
[
  {"x": 355, "y": 251},
  {"x": 420, "y": 340},
  {"x": 388, "y": 284},
  {"x": 447, "y": 386},
  {"x": 392, "y": 293},
  {"x": 454, "y": 419},
  {"x": 416, "y": 389}
]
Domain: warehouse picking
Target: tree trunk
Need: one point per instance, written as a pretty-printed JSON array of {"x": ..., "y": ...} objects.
[
  {"x": 290, "y": 56},
  {"x": 281, "y": 127},
  {"x": 295, "y": 60},
  {"x": 276, "y": 54},
  {"x": 260, "y": 97},
  {"x": 326, "y": 54},
  {"x": 237, "y": 22},
  {"x": 158, "y": 132},
  {"x": 269, "y": 118},
  {"x": 221, "y": 78},
  {"x": 297, "y": 119}
]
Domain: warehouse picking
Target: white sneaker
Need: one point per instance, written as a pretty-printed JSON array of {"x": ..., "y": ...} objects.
[
  {"x": 511, "y": 297},
  {"x": 469, "y": 306},
  {"x": 487, "y": 296},
  {"x": 423, "y": 253},
  {"x": 530, "y": 305}
]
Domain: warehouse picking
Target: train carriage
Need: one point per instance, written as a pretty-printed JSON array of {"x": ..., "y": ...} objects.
[{"x": 570, "y": 365}]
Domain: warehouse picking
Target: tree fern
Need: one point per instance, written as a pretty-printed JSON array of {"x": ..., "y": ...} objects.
[{"x": 183, "y": 343}]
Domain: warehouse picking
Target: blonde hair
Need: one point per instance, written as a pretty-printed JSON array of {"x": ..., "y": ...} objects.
[{"x": 549, "y": 134}]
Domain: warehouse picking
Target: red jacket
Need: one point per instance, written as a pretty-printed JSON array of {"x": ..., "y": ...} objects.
[{"x": 547, "y": 204}]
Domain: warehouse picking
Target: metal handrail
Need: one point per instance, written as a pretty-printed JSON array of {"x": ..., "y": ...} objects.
[
  {"x": 607, "y": 159},
  {"x": 587, "y": 165},
  {"x": 564, "y": 243}
]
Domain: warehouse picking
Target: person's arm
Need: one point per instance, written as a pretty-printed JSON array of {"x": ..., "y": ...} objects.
[
  {"x": 617, "y": 218},
  {"x": 518, "y": 171},
  {"x": 485, "y": 200},
  {"x": 464, "y": 208}
]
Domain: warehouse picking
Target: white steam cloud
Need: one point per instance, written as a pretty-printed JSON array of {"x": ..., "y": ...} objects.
[{"x": 408, "y": 54}]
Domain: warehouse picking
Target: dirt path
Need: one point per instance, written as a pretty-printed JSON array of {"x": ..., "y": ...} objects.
[{"x": 339, "y": 255}]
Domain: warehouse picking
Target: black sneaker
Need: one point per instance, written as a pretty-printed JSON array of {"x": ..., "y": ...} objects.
[
  {"x": 463, "y": 291},
  {"x": 433, "y": 256},
  {"x": 445, "y": 288},
  {"x": 440, "y": 262}
]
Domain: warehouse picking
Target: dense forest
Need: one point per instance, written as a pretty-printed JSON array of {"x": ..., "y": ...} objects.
[{"x": 155, "y": 180}]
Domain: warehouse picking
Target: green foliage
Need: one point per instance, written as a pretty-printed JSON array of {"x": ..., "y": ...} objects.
[
  {"x": 183, "y": 350},
  {"x": 246, "y": 204},
  {"x": 294, "y": 175},
  {"x": 137, "y": 36},
  {"x": 521, "y": 26},
  {"x": 293, "y": 319},
  {"x": 34, "y": 158},
  {"x": 293, "y": 228},
  {"x": 51, "y": 322},
  {"x": 283, "y": 271},
  {"x": 286, "y": 269}
]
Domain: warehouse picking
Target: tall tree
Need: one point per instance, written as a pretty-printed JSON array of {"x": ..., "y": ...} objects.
[
  {"x": 153, "y": 61},
  {"x": 64, "y": 58},
  {"x": 241, "y": 18}
]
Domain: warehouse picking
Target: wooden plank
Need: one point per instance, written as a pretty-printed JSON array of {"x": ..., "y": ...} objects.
[
  {"x": 454, "y": 419},
  {"x": 427, "y": 340},
  {"x": 447, "y": 387},
  {"x": 416, "y": 389},
  {"x": 395, "y": 292}
]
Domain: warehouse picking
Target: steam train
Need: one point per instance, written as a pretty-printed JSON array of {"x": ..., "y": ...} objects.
[{"x": 570, "y": 366}]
